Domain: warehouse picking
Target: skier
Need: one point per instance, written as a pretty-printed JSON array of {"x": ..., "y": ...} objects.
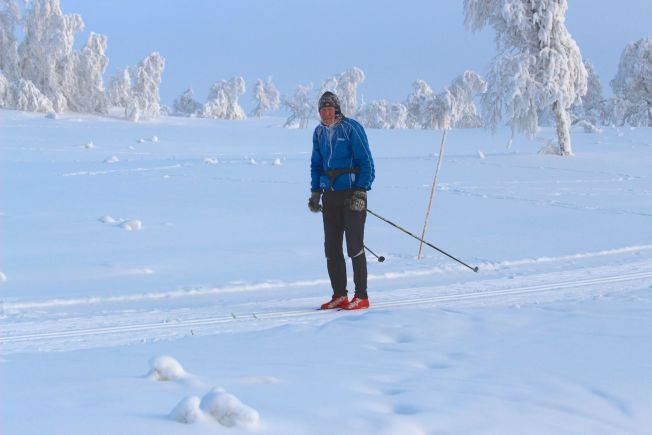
[{"x": 342, "y": 171}]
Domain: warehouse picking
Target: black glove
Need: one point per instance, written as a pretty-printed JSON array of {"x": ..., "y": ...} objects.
[
  {"x": 313, "y": 202},
  {"x": 358, "y": 201}
]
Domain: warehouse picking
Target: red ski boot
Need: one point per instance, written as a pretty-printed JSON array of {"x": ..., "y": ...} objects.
[
  {"x": 336, "y": 302},
  {"x": 357, "y": 304}
]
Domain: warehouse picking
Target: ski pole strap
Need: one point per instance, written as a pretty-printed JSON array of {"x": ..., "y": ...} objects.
[
  {"x": 475, "y": 269},
  {"x": 334, "y": 173}
]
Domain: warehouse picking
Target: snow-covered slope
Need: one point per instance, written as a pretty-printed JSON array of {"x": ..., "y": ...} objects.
[{"x": 192, "y": 254}]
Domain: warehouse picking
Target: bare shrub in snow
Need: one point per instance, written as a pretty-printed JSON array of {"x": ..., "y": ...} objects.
[
  {"x": 302, "y": 106},
  {"x": 223, "y": 100},
  {"x": 266, "y": 96},
  {"x": 382, "y": 114},
  {"x": 186, "y": 104},
  {"x": 538, "y": 63},
  {"x": 632, "y": 85},
  {"x": 166, "y": 368},
  {"x": 228, "y": 410},
  {"x": 187, "y": 411},
  {"x": 345, "y": 86}
]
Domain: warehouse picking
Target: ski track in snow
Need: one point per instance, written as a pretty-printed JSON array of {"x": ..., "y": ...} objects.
[{"x": 125, "y": 327}]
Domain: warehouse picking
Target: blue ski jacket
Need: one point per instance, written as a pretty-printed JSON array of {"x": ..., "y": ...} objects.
[{"x": 342, "y": 146}]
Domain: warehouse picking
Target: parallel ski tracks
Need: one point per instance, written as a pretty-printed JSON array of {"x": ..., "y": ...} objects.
[{"x": 280, "y": 315}]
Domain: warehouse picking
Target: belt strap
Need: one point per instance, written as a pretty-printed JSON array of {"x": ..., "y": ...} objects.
[{"x": 334, "y": 173}]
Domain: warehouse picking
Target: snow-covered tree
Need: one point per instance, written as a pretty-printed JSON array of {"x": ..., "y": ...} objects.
[
  {"x": 118, "y": 91},
  {"x": 223, "y": 100},
  {"x": 186, "y": 104},
  {"x": 383, "y": 114},
  {"x": 146, "y": 79},
  {"x": 24, "y": 95},
  {"x": 302, "y": 106},
  {"x": 84, "y": 87},
  {"x": 266, "y": 96},
  {"x": 49, "y": 37},
  {"x": 416, "y": 101},
  {"x": 538, "y": 63},
  {"x": 9, "y": 18},
  {"x": 345, "y": 86},
  {"x": 590, "y": 111},
  {"x": 632, "y": 85}
]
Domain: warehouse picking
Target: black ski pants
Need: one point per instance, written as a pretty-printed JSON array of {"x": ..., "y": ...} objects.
[{"x": 340, "y": 221}]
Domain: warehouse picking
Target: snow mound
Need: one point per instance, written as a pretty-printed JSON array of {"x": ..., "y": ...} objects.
[
  {"x": 166, "y": 368},
  {"x": 109, "y": 220},
  {"x": 253, "y": 161},
  {"x": 89, "y": 145},
  {"x": 228, "y": 410},
  {"x": 154, "y": 139},
  {"x": 481, "y": 154},
  {"x": 3, "y": 277},
  {"x": 278, "y": 162},
  {"x": 112, "y": 159},
  {"x": 211, "y": 160},
  {"x": 132, "y": 225},
  {"x": 52, "y": 115},
  {"x": 187, "y": 411}
]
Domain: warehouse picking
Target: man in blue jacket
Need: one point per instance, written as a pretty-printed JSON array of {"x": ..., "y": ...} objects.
[{"x": 342, "y": 171}]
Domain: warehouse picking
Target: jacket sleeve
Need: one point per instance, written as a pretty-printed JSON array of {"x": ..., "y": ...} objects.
[
  {"x": 362, "y": 157},
  {"x": 316, "y": 164}
]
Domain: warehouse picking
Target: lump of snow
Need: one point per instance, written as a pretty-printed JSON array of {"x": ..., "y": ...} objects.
[
  {"x": 108, "y": 220},
  {"x": 166, "y": 368},
  {"x": 52, "y": 115},
  {"x": 141, "y": 140},
  {"x": 187, "y": 411},
  {"x": 89, "y": 145},
  {"x": 211, "y": 160},
  {"x": 154, "y": 139},
  {"x": 3, "y": 277},
  {"x": 132, "y": 225},
  {"x": 481, "y": 154},
  {"x": 278, "y": 162},
  {"x": 112, "y": 159},
  {"x": 252, "y": 161},
  {"x": 228, "y": 410}
]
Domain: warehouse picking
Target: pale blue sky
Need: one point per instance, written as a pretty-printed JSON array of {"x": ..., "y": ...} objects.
[{"x": 301, "y": 41}]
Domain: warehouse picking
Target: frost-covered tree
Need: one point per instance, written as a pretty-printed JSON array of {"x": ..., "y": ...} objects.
[
  {"x": 266, "y": 96},
  {"x": 632, "y": 85},
  {"x": 590, "y": 111},
  {"x": 146, "y": 79},
  {"x": 302, "y": 106},
  {"x": 383, "y": 114},
  {"x": 9, "y": 19},
  {"x": 49, "y": 37},
  {"x": 345, "y": 86},
  {"x": 416, "y": 102},
  {"x": 118, "y": 91},
  {"x": 186, "y": 104},
  {"x": 223, "y": 100},
  {"x": 84, "y": 87},
  {"x": 538, "y": 63},
  {"x": 24, "y": 95}
]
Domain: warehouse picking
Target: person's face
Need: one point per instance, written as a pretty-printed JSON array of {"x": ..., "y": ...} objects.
[{"x": 327, "y": 115}]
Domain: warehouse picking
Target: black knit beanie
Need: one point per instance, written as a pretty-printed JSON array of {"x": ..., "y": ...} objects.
[{"x": 329, "y": 99}]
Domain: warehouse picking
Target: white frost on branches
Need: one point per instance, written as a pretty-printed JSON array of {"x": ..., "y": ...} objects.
[
  {"x": 44, "y": 73},
  {"x": 266, "y": 96},
  {"x": 632, "y": 85},
  {"x": 453, "y": 107},
  {"x": 538, "y": 63},
  {"x": 186, "y": 105},
  {"x": 345, "y": 86},
  {"x": 383, "y": 114},
  {"x": 591, "y": 110},
  {"x": 223, "y": 100},
  {"x": 302, "y": 106}
]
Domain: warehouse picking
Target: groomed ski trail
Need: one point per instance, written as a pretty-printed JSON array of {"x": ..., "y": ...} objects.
[{"x": 129, "y": 328}]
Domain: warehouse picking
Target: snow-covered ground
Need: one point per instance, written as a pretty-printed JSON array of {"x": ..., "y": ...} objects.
[{"x": 162, "y": 277}]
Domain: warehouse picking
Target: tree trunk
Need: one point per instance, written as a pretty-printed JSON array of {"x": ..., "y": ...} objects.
[{"x": 563, "y": 129}]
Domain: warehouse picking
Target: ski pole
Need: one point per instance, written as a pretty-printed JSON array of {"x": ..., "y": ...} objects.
[
  {"x": 475, "y": 269},
  {"x": 380, "y": 259}
]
